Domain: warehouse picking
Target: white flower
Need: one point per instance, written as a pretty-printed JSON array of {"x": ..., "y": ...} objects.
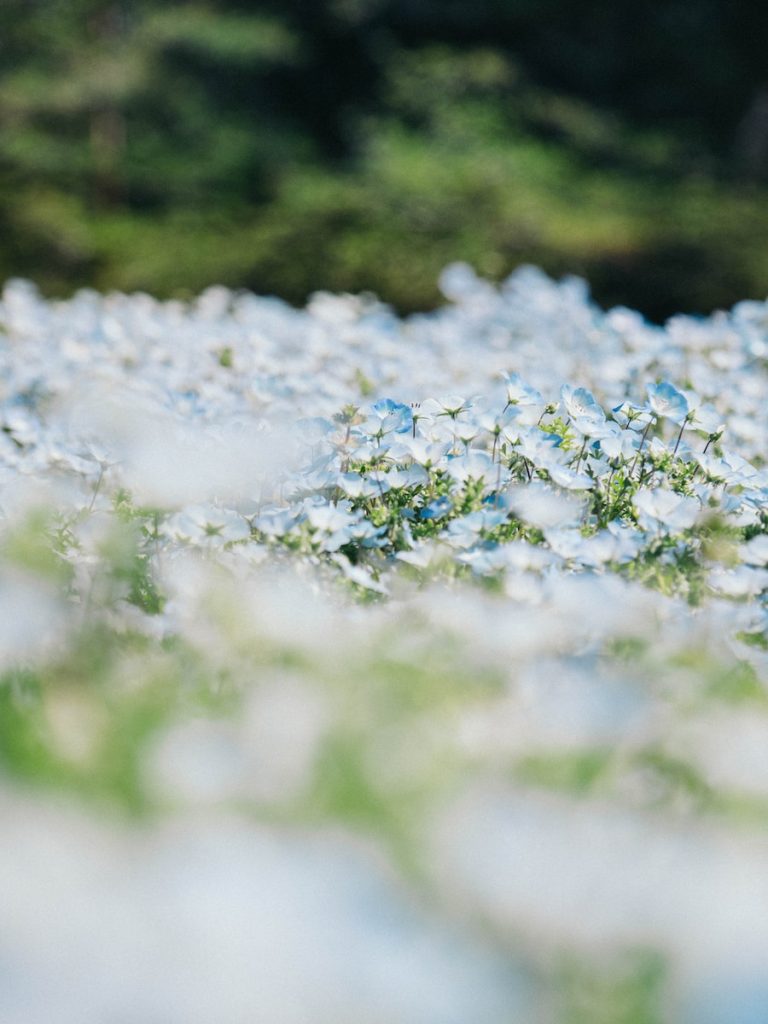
[
  {"x": 743, "y": 581},
  {"x": 414, "y": 476},
  {"x": 357, "y": 486},
  {"x": 208, "y": 526},
  {"x": 570, "y": 479},
  {"x": 586, "y": 415},
  {"x": 619, "y": 444},
  {"x": 664, "y": 510},
  {"x": 473, "y": 465},
  {"x": 541, "y": 505}
]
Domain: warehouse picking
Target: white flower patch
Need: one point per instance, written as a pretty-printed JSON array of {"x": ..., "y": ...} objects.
[{"x": 427, "y": 656}]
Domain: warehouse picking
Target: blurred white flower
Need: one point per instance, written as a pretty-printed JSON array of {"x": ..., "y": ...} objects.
[{"x": 662, "y": 509}]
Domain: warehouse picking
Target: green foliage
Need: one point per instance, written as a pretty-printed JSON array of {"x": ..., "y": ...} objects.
[
  {"x": 625, "y": 990},
  {"x": 164, "y": 146},
  {"x": 578, "y": 773}
]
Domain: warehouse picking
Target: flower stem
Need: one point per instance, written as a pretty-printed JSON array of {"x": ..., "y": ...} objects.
[
  {"x": 680, "y": 435},
  {"x": 581, "y": 453},
  {"x": 640, "y": 448}
]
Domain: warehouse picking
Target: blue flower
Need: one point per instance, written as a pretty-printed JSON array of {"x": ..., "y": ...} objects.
[
  {"x": 587, "y": 416},
  {"x": 393, "y": 415},
  {"x": 665, "y": 400},
  {"x": 436, "y": 509},
  {"x": 520, "y": 393}
]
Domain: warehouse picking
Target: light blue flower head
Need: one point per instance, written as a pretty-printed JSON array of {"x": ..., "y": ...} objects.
[
  {"x": 398, "y": 417},
  {"x": 665, "y": 400},
  {"x": 580, "y": 403},
  {"x": 520, "y": 393},
  {"x": 586, "y": 415},
  {"x": 436, "y": 509}
]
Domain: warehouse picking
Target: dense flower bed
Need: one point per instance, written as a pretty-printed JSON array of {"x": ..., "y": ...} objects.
[{"x": 423, "y": 660}]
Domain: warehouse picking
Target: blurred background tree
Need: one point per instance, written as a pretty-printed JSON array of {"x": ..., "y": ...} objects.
[{"x": 362, "y": 144}]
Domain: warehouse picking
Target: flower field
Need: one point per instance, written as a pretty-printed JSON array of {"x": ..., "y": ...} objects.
[{"x": 383, "y": 671}]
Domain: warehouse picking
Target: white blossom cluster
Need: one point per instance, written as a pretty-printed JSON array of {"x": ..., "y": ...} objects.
[{"x": 421, "y": 663}]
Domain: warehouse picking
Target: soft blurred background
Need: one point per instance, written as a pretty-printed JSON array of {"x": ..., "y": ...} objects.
[{"x": 291, "y": 145}]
